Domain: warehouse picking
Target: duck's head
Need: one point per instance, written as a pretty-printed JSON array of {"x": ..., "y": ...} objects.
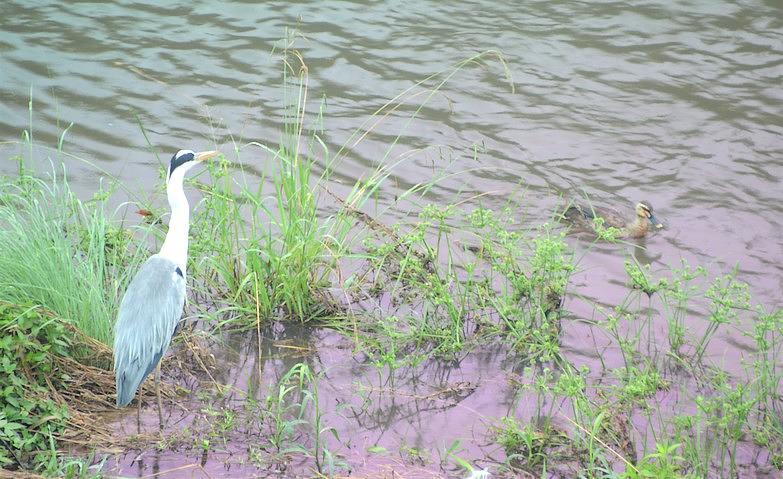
[{"x": 644, "y": 210}]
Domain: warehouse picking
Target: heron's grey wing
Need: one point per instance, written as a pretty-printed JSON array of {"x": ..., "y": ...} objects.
[{"x": 149, "y": 312}]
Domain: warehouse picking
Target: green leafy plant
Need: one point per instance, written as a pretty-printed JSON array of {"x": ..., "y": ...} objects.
[{"x": 29, "y": 418}]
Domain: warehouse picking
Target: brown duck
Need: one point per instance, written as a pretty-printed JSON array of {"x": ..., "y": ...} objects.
[{"x": 582, "y": 217}]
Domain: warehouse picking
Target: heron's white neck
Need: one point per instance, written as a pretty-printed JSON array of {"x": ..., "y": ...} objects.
[{"x": 175, "y": 246}]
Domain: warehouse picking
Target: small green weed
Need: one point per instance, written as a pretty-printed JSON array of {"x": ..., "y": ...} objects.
[{"x": 525, "y": 447}]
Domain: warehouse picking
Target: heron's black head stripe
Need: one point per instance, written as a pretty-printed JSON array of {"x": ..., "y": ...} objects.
[
  {"x": 180, "y": 160},
  {"x": 179, "y": 272}
]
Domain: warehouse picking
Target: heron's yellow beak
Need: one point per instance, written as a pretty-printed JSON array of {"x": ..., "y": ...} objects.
[{"x": 205, "y": 155}]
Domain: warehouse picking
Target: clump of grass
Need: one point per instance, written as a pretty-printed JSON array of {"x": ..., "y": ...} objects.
[
  {"x": 528, "y": 447},
  {"x": 62, "y": 253},
  {"x": 679, "y": 293},
  {"x": 269, "y": 251},
  {"x": 728, "y": 297}
]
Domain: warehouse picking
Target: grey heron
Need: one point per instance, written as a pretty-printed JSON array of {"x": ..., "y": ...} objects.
[{"x": 153, "y": 303}]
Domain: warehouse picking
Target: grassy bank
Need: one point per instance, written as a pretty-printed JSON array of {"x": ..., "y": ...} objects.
[{"x": 450, "y": 281}]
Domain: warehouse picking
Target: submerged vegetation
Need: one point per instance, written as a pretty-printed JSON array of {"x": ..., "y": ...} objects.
[{"x": 447, "y": 282}]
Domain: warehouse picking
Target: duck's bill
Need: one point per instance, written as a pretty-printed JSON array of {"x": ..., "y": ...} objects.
[
  {"x": 205, "y": 155},
  {"x": 656, "y": 224}
]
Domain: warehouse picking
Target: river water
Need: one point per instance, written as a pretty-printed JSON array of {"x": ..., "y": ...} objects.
[{"x": 678, "y": 103}]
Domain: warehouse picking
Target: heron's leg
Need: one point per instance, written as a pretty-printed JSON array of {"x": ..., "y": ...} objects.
[
  {"x": 157, "y": 392},
  {"x": 138, "y": 405}
]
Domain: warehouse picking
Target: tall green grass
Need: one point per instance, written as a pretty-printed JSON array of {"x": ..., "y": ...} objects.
[
  {"x": 266, "y": 244},
  {"x": 62, "y": 253},
  {"x": 266, "y": 249}
]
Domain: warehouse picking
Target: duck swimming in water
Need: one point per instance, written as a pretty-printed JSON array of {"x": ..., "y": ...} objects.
[{"x": 583, "y": 218}]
